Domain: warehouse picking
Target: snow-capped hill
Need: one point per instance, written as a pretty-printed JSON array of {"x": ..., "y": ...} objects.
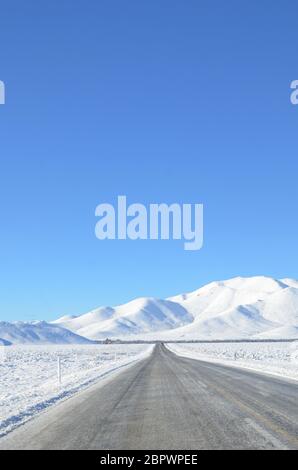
[
  {"x": 88, "y": 319},
  {"x": 281, "y": 307},
  {"x": 140, "y": 316},
  {"x": 255, "y": 284},
  {"x": 217, "y": 297},
  {"x": 38, "y": 333},
  {"x": 222, "y": 295},
  {"x": 237, "y": 308},
  {"x": 241, "y": 322},
  {"x": 242, "y": 308},
  {"x": 290, "y": 282}
]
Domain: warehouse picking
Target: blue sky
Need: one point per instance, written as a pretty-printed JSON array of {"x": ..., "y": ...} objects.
[{"x": 163, "y": 101}]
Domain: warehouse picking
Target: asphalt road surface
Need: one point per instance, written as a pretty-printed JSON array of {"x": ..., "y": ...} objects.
[{"x": 168, "y": 402}]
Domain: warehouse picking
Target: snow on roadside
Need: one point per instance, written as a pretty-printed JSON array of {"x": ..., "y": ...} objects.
[
  {"x": 29, "y": 378},
  {"x": 278, "y": 358}
]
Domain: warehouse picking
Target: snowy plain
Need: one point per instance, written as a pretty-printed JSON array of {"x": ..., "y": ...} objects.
[
  {"x": 278, "y": 358},
  {"x": 29, "y": 375}
]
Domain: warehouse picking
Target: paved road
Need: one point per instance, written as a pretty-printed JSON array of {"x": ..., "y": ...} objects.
[{"x": 170, "y": 402}]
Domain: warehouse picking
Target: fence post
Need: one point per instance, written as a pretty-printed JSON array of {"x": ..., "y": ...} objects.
[{"x": 59, "y": 370}]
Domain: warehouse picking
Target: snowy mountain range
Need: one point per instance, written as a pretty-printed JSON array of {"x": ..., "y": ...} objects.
[
  {"x": 255, "y": 307},
  {"x": 138, "y": 317},
  {"x": 37, "y": 333},
  {"x": 239, "y": 308}
]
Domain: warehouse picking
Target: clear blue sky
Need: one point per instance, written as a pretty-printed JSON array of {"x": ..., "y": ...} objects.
[{"x": 164, "y": 101}]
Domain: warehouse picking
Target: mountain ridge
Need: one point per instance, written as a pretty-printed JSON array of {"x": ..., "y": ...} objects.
[
  {"x": 37, "y": 332},
  {"x": 237, "y": 308},
  {"x": 257, "y": 307}
]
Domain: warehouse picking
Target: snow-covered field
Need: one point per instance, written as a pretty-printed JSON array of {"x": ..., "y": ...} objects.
[
  {"x": 29, "y": 378},
  {"x": 274, "y": 358}
]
